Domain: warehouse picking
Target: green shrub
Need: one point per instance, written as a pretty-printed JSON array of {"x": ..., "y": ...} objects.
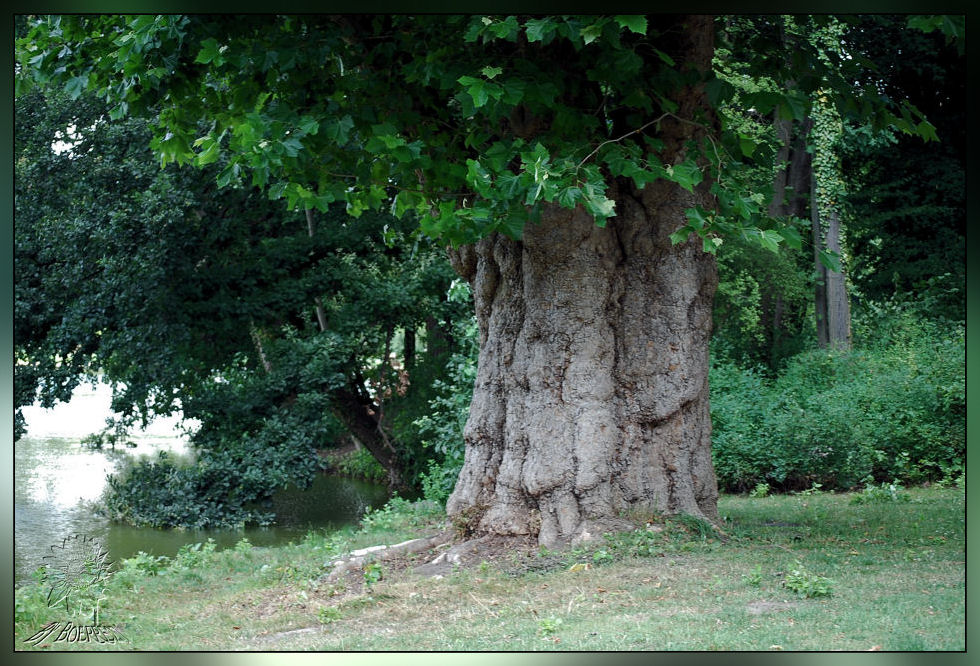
[
  {"x": 893, "y": 408},
  {"x": 886, "y": 492},
  {"x": 194, "y": 555}
]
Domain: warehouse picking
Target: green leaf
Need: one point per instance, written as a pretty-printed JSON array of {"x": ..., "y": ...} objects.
[
  {"x": 747, "y": 145},
  {"x": 339, "y": 130},
  {"x": 927, "y": 131},
  {"x": 509, "y": 184},
  {"x": 637, "y": 24},
  {"x": 830, "y": 260},
  {"x": 601, "y": 208},
  {"x": 718, "y": 91},
  {"x": 770, "y": 240},
  {"x": 477, "y": 89},
  {"x": 210, "y": 52},
  {"x": 686, "y": 174},
  {"x": 592, "y": 32},
  {"x": 76, "y": 86},
  {"x": 539, "y": 30},
  {"x": 712, "y": 244},
  {"x": 792, "y": 237},
  {"x": 228, "y": 174},
  {"x": 309, "y": 125},
  {"x": 681, "y": 235},
  {"x": 793, "y": 107},
  {"x": 478, "y": 177},
  {"x": 491, "y": 72},
  {"x": 696, "y": 218},
  {"x": 292, "y": 145},
  {"x": 666, "y": 58},
  {"x": 211, "y": 152},
  {"x": 569, "y": 197},
  {"x": 513, "y": 226}
]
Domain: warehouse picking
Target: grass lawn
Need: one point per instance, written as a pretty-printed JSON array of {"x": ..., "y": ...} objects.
[{"x": 819, "y": 571}]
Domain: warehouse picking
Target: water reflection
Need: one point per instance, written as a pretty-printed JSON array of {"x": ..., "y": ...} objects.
[{"x": 56, "y": 480}]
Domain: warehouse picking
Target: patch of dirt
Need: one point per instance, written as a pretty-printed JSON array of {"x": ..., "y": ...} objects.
[
  {"x": 763, "y": 607},
  {"x": 495, "y": 550}
]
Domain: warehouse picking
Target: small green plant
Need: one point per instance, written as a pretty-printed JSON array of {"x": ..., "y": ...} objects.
[
  {"x": 549, "y": 626},
  {"x": 146, "y": 564},
  {"x": 193, "y": 555},
  {"x": 398, "y": 513},
  {"x": 244, "y": 546},
  {"x": 754, "y": 579},
  {"x": 638, "y": 543},
  {"x": 805, "y": 584},
  {"x": 812, "y": 490},
  {"x": 698, "y": 527},
  {"x": 761, "y": 490},
  {"x": 602, "y": 556},
  {"x": 328, "y": 614},
  {"x": 372, "y": 573},
  {"x": 886, "y": 492}
]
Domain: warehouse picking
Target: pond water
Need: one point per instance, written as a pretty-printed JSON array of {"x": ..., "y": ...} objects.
[{"x": 56, "y": 480}]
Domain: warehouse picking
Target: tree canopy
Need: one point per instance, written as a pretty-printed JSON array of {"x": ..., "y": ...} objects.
[{"x": 465, "y": 121}]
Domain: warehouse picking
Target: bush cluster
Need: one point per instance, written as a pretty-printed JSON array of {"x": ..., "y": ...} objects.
[{"x": 893, "y": 408}]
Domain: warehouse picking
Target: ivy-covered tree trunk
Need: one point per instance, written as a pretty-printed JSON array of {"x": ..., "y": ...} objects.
[
  {"x": 837, "y": 302},
  {"x": 591, "y": 397}
]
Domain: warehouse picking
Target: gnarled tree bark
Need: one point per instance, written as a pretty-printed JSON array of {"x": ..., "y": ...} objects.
[{"x": 591, "y": 397}]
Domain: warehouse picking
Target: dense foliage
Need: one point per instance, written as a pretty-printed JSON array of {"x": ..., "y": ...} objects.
[
  {"x": 893, "y": 408},
  {"x": 185, "y": 299}
]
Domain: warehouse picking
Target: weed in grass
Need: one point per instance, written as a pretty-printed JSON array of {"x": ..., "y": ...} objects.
[
  {"x": 602, "y": 556},
  {"x": 698, "y": 527},
  {"x": 761, "y": 490},
  {"x": 329, "y": 614},
  {"x": 192, "y": 555},
  {"x": 549, "y": 626},
  {"x": 755, "y": 578},
  {"x": 805, "y": 584},
  {"x": 373, "y": 573}
]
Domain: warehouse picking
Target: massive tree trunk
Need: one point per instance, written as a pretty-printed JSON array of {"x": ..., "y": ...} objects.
[{"x": 591, "y": 397}]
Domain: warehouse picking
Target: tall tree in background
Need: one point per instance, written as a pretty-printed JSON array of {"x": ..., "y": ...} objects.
[{"x": 575, "y": 165}]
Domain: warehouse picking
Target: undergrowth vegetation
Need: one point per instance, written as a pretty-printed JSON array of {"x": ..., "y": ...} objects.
[{"x": 892, "y": 408}]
